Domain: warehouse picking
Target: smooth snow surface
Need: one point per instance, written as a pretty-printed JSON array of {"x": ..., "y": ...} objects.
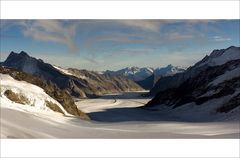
[{"x": 114, "y": 116}]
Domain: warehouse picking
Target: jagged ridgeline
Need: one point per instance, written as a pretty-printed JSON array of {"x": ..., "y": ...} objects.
[
  {"x": 146, "y": 77},
  {"x": 78, "y": 83}
]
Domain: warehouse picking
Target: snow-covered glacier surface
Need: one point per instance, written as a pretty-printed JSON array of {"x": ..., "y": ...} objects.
[{"x": 114, "y": 116}]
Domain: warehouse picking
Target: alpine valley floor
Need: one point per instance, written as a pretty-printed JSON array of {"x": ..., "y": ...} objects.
[{"x": 113, "y": 116}]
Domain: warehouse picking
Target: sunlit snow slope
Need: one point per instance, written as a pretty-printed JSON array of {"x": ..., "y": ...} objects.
[{"x": 35, "y": 95}]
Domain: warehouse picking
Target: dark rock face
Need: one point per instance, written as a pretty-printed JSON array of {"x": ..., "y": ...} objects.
[
  {"x": 77, "y": 87},
  {"x": 149, "y": 82},
  {"x": 230, "y": 105},
  {"x": 193, "y": 89}
]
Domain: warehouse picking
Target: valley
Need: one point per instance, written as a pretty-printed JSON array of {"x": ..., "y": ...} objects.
[{"x": 40, "y": 100}]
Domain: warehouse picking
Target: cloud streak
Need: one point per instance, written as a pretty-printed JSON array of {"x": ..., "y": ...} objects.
[
  {"x": 221, "y": 39},
  {"x": 51, "y": 31},
  {"x": 147, "y": 25}
]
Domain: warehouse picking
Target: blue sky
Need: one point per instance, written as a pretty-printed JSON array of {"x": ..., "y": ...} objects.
[{"x": 115, "y": 44}]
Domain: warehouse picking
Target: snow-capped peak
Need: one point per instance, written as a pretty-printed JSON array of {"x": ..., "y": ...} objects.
[
  {"x": 131, "y": 70},
  {"x": 219, "y": 57},
  {"x": 168, "y": 70},
  {"x": 150, "y": 69}
]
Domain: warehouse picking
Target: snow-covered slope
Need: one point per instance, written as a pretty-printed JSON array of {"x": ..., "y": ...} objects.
[
  {"x": 219, "y": 57},
  {"x": 35, "y": 95},
  {"x": 68, "y": 72}
]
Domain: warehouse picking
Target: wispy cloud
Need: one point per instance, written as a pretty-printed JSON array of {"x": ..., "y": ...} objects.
[
  {"x": 155, "y": 25},
  {"x": 147, "y": 25},
  {"x": 220, "y": 38},
  {"x": 151, "y": 32},
  {"x": 130, "y": 52},
  {"x": 178, "y": 36},
  {"x": 135, "y": 51},
  {"x": 51, "y": 31}
]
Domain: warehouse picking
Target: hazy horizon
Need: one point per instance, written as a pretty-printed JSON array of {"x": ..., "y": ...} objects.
[{"x": 115, "y": 44}]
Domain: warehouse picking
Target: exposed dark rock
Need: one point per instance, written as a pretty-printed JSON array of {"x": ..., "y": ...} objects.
[
  {"x": 53, "y": 107},
  {"x": 149, "y": 82},
  {"x": 230, "y": 105},
  {"x": 17, "y": 98},
  {"x": 223, "y": 92}
]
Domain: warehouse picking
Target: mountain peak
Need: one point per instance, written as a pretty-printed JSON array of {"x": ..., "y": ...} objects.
[
  {"x": 15, "y": 56},
  {"x": 168, "y": 70},
  {"x": 220, "y": 56},
  {"x": 219, "y": 52},
  {"x": 21, "y": 61},
  {"x": 12, "y": 54},
  {"x": 22, "y": 53},
  {"x": 232, "y": 47},
  {"x": 133, "y": 68},
  {"x": 170, "y": 65}
]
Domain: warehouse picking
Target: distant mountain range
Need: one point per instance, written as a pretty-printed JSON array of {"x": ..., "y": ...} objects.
[
  {"x": 212, "y": 83},
  {"x": 138, "y": 74},
  {"x": 146, "y": 76},
  {"x": 78, "y": 83},
  {"x": 133, "y": 73}
]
